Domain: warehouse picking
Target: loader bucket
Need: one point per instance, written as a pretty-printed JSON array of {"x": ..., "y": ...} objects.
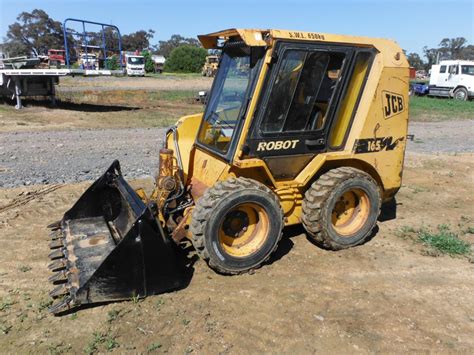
[{"x": 109, "y": 246}]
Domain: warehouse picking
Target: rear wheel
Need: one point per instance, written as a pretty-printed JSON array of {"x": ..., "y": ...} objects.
[
  {"x": 341, "y": 208},
  {"x": 236, "y": 225},
  {"x": 461, "y": 94}
]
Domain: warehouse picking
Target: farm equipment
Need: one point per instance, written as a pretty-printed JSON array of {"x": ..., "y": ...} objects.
[
  {"x": 299, "y": 128},
  {"x": 210, "y": 66}
]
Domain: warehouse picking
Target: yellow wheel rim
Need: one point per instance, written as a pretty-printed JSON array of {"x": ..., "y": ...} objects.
[
  {"x": 350, "y": 212},
  {"x": 244, "y": 230}
]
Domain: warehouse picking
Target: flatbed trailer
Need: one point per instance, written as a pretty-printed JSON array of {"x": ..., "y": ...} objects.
[{"x": 18, "y": 83}]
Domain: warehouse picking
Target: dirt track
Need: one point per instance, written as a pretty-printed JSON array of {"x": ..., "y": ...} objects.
[
  {"x": 161, "y": 82},
  {"x": 382, "y": 296}
]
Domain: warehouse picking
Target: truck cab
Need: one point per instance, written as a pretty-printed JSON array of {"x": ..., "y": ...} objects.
[
  {"x": 56, "y": 58},
  {"x": 135, "y": 65},
  {"x": 88, "y": 61},
  {"x": 453, "y": 79}
]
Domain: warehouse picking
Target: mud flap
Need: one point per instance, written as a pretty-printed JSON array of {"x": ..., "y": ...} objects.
[{"x": 109, "y": 246}]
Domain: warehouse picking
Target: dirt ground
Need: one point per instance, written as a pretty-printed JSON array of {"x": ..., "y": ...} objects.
[
  {"x": 385, "y": 296},
  {"x": 155, "y": 82},
  {"x": 98, "y": 108}
]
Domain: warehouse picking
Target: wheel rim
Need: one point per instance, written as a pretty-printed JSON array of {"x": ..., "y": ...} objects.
[
  {"x": 350, "y": 212},
  {"x": 460, "y": 95},
  {"x": 244, "y": 230}
]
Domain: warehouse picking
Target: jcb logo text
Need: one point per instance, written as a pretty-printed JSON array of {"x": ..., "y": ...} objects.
[
  {"x": 277, "y": 145},
  {"x": 393, "y": 104}
]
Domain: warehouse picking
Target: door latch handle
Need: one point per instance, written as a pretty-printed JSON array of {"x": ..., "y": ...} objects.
[{"x": 314, "y": 142}]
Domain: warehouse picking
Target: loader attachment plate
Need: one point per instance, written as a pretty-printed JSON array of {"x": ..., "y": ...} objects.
[{"x": 109, "y": 246}]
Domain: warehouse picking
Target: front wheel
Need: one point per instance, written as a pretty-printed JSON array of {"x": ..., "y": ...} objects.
[
  {"x": 341, "y": 208},
  {"x": 461, "y": 94},
  {"x": 236, "y": 225}
]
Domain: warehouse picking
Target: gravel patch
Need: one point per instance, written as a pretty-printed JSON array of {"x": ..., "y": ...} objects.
[
  {"x": 30, "y": 158},
  {"x": 442, "y": 137}
]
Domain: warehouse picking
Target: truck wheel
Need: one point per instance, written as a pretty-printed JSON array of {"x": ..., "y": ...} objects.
[
  {"x": 236, "y": 225},
  {"x": 341, "y": 208},
  {"x": 461, "y": 94}
]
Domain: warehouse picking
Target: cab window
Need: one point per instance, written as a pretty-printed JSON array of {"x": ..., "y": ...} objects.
[
  {"x": 302, "y": 90},
  {"x": 453, "y": 69}
]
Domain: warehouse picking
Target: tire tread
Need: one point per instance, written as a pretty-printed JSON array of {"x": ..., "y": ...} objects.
[{"x": 205, "y": 206}]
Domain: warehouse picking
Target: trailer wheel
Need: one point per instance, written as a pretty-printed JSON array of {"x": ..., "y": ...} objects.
[
  {"x": 341, "y": 208},
  {"x": 461, "y": 94},
  {"x": 236, "y": 225}
]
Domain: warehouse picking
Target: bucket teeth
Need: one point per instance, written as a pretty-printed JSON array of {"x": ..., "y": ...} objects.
[
  {"x": 56, "y": 254},
  {"x": 58, "y": 278},
  {"x": 62, "y": 306},
  {"x": 57, "y": 243},
  {"x": 58, "y": 265},
  {"x": 55, "y": 225},
  {"x": 56, "y": 235},
  {"x": 58, "y": 291}
]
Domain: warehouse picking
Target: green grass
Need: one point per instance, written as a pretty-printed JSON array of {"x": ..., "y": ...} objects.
[
  {"x": 24, "y": 268},
  {"x": 423, "y": 108},
  {"x": 444, "y": 241},
  {"x": 5, "y": 304},
  {"x": 112, "y": 315},
  {"x": 98, "y": 339},
  {"x": 172, "y": 95},
  {"x": 5, "y": 328},
  {"x": 154, "y": 346}
]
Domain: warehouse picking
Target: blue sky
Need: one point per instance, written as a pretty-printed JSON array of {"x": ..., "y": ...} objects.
[{"x": 413, "y": 24}]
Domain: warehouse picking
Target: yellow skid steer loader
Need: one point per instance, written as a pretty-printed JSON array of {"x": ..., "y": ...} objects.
[{"x": 299, "y": 127}]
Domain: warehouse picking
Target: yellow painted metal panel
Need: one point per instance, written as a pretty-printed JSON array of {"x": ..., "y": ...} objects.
[{"x": 349, "y": 102}]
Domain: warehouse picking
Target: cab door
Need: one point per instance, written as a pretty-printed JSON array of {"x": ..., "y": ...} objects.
[
  {"x": 443, "y": 76},
  {"x": 300, "y": 98},
  {"x": 453, "y": 76}
]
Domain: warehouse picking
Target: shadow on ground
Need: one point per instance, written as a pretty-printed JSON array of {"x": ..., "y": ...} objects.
[{"x": 71, "y": 106}]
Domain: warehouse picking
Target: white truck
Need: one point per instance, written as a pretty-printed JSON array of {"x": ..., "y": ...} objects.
[
  {"x": 88, "y": 61},
  {"x": 452, "y": 78},
  {"x": 135, "y": 65}
]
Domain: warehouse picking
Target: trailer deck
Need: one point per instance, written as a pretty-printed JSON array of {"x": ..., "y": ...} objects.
[{"x": 18, "y": 83}]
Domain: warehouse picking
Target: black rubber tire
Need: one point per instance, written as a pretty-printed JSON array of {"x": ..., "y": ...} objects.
[
  {"x": 319, "y": 202},
  {"x": 459, "y": 91},
  {"x": 211, "y": 208}
]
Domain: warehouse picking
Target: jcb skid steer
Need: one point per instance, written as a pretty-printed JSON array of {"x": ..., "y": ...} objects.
[{"x": 299, "y": 127}]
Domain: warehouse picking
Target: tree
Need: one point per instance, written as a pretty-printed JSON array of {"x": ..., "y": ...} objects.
[
  {"x": 186, "y": 59},
  {"x": 451, "y": 48},
  {"x": 112, "y": 63},
  {"x": 467, "y": 53},
  {"x": 415, "y": 61},
  {"x": 149, "y": 64},
  {"x": 137, "y": 41},
  {"x": 432, "y": 56},
  {"x": 33, "y": 32},
  {"x": 166, "y": 47}
]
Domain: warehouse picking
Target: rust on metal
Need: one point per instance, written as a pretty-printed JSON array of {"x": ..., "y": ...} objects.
[
  {"x": 181, "y": 231},
  {"x": 197, "y": 188}
]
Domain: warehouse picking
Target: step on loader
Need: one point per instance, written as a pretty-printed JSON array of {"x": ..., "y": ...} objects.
[{"x": 299, "y": 128}]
